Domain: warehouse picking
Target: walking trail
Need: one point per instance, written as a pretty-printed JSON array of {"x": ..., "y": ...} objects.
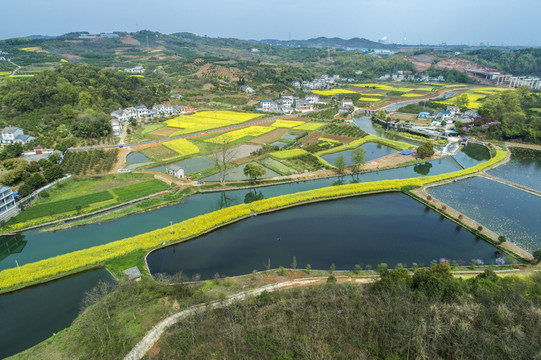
[{"x": 156, "y": 332}]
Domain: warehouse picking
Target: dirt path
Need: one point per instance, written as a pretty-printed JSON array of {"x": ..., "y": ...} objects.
[
  {"x": 524, "y": 146},
  {"x": 152, "y": 337}
]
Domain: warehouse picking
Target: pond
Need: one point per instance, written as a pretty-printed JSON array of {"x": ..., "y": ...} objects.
[
  {"x": 190, "y": 165},
  {"x": 503, "y": 209},
  {"x": 373, "y": 151},
  {"x": 524, "y": 168},
  {"x": 135, "y": 157},
  {"x": 367, "y": 230},
  {"x": 280, "y": 144},
  {"x": 41, "y": 245},
  {"x": 365, "y": 123},
  {"x": 472, "y": 155},
  {"x": 290, "y": 137},
  {"x": 32, "y": 315},
  {"x": 238, "y": 174}
]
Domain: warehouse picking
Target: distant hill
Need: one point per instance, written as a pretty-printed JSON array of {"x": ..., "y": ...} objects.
[{"x": 324, "y": 42}]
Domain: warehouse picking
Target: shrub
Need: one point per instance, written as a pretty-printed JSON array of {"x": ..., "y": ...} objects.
[
  {"x": 429, "y": 198},
  {"x": 44, "y": 194},
  {"x": 282, "y": 271},
  {"x": 479, "y": 228},
  {"x": 331, "y": 279},
  {"x": 357, "y": 269},
  {"x": 502, "y": 238}
]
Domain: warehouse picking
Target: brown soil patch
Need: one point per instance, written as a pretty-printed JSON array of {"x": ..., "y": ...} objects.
[
  {"x": 71, "y": 56},
  {"x": 154, "y": 350},
  {"x": 129, "y": 40},
  {"x": 208, "y": 87},
  {"x": 269, "y": 137},
  {"x": 313, "y": 137},
  {"x": 159, "y": 152},
  {"x": 164, "y": 131},
  {"x": 121, "y": 159}
]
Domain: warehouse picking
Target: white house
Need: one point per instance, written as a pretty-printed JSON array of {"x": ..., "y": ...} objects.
[
  {"x": 453, "y": 110},
  {"x": 247, "y": 89},
  {"x": 287, "y": 100},
  {"x": 312, "y": 98},
  {"x": 142, "y": 111},
  {"x": 136, "y": 70},
  {"x": 175, "y": 171},
  {"x": 7, "y": 200},
  {"x": 265, "y": 105},
  {"x": 117, "y": 127},
  {"x": 11, "y": 135}
]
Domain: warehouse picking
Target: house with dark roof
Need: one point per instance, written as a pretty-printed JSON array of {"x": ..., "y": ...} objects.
[{"x": 11, "y": 135}]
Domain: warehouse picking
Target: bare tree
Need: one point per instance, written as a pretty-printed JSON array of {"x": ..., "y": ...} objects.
[{"x": 225, "y": 154}]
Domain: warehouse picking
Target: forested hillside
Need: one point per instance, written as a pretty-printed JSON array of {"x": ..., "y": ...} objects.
[
  {"x": 516, "y": 62},
  {"x": 73, "y": 100}
]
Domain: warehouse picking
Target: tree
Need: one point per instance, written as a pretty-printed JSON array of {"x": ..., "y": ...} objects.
[
  {"x": 462, "y": 101},
  {"x": 340, "y": 163},
  {"x": 357, "y": 155},
  {"x": 254, "y": 171},
  {"x": 53, "y": 172},
  {"x": 225, "y": 154},
  {"x": 537, "y": 255},
  {"x": 425, "y": 151}
]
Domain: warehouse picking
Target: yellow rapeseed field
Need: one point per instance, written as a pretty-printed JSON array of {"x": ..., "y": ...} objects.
[
  {"x": 239, "y": 134},
  {"x": 333, "y": 92},
  {"x": 286, "y": 154},
  {"x": 309, "y": 126},
  {"x": 207, "y": 120},
  {"x": 368, "y": 99},
  {"x": 182, "y": 146},
  {"x": 4, "y": 73},
  {"x": 286, "y": 124}
]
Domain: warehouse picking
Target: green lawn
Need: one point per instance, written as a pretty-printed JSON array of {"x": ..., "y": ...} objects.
[
  {"x": 278, "y": 166},
  {"x": 128, "y": 193},
  {"x": 151, "y": 127},
  {"x": 75, "y": 187},
  {"x": 86, "y": 197},
  {"x": 61, "y": 206}
]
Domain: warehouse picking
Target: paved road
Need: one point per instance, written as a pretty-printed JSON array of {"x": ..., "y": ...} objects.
[{"x": 187, "y": 136}]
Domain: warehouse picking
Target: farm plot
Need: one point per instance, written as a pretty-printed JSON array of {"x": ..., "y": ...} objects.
[
  {"x": 333, "y": 92},
  {"x": 277, "y": 166},
  {"x": 289, "y": 124},
  {"x": 89, "y": 162},
  {"x": 182, "y": 147},
  {"x": 149, "y": 128},
  {"x": 309, "y": 126},
  {"x": 159, "y": 152},
  {"x": 235, "y": 135},
  {"x": 207, "y": 120},
  {"x": 136, "y": 191},
  {"x": 61, "y": 206}
]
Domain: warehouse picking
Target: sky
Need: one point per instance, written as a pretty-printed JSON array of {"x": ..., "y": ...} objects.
[{"x": 469, "y": 22}]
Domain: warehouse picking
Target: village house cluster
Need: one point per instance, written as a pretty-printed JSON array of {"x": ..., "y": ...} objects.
[
  {"x": 406, "y": 75},
  {"x": 289, "y": 103},
  {"x": 139, "y": 69},
  {"x": 142, "y": 112},
  {"x": 322, "y": 82}
]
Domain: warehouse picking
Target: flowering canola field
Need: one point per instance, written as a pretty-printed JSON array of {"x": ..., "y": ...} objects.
[
  {"x": 182, "y": 147},
  {"x": 206, "y": 120},
  {"x": 239, "y": 134},
  {"x": 333, "y": 92}
]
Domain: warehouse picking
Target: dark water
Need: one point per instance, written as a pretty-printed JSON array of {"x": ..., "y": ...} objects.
[
  {"x": 41, "y": 245},
  {"x": 390, "y": 228},
  {"x": 503, "y": 209},
  {"x": 373, "y": 151},
  {"x": 31, "y": 315},
  {"x": 290, "y": 137},
  {"x": 524, "y": 168},
  {"x": 472, "y": 155},
  {"x": 135, "y": 157}
]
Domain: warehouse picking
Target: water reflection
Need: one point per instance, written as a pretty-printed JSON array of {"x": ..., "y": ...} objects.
[
  {"x": 422, "y": 169},
  {"x": 11, "y": 244},
  {"x": 253, "y": 195}
]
